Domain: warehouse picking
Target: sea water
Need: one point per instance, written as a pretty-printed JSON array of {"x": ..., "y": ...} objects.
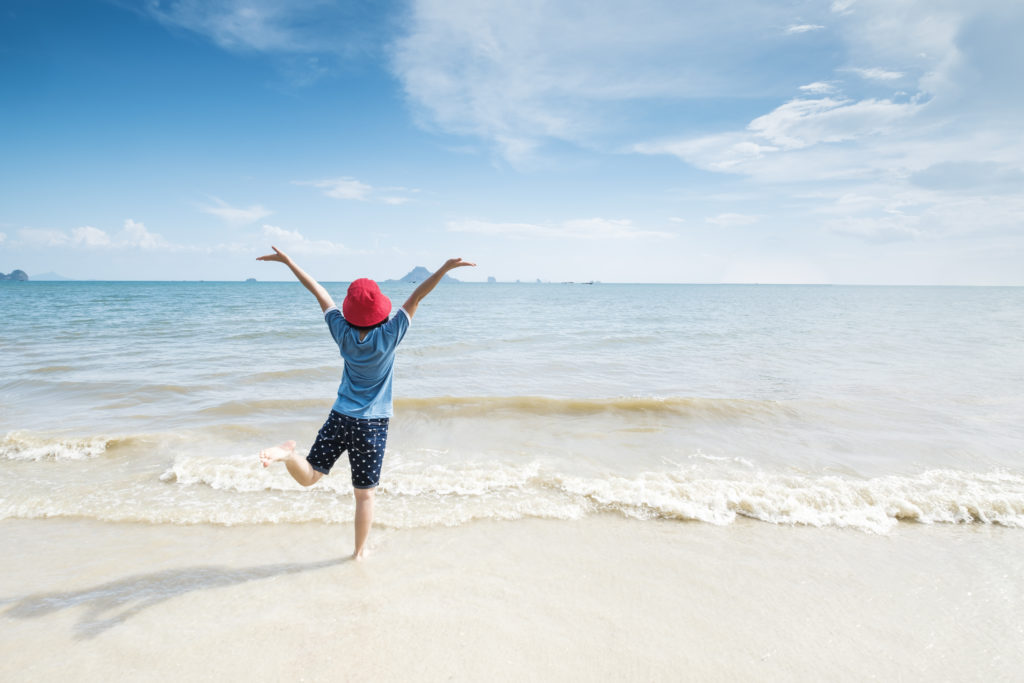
[{"x": 824, "y": 406}]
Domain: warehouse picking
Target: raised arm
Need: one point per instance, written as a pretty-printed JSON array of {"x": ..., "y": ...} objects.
[
  {"x": 427, "y": 286},
  {"x": 322, "y": 297}
]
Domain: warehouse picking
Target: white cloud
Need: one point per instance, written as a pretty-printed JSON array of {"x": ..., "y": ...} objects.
[
  {"x": 804, "y": 28},
  {"x": 90, "y": 237},
  {"x": 350, "y": 188},
  {"x": 585, "y": 228},
  {"x": 938, "y": 161},
  {"x": 766, "y": 148},
  {"x": 731, "y": 220},
  {"x": 801, "y": 123},
  {"x": 294, "y": 241},
  {"x": 517, "y": 78},
  {"x": 3, "y": 236},
  {"x": 818, "y": 88},
  {"x": 340, "y": 188},
  {"x": 876, "y": 74},
  {"x": 725, "y": 152},
  {"x": 233, "y": 215},
  {"x": 262, "y": 25},
  {"x": 43, "y": 237},
  {"x": 307, "y": 38},
  {"x": 676, "y": 219},
  {"x": 891, "y": 212},
  {"x": 133, "y": 235}
]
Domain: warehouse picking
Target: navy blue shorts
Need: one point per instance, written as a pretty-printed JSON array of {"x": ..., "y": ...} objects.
[{"x": 364, "y": 439}]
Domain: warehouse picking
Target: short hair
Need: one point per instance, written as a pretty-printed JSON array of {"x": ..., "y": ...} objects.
[{"x": 371, "y": 327}]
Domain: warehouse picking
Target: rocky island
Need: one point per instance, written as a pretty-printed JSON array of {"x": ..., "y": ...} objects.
[
  {"x": 16, "y": 275},
  {"x": 419, "y": 274}
]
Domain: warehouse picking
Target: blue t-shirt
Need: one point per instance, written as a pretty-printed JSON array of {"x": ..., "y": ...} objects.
[{"x": 365, "y": 389}]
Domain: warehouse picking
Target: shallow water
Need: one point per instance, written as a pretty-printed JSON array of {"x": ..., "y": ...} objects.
[{"x": 827, "y": 406}]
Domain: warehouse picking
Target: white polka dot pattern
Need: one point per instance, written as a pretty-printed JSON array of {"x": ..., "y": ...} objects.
[{"x": 364, "y": 439}]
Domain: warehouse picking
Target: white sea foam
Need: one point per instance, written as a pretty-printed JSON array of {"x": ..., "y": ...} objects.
[
  {"x": 877, "y": 505},
  {"x": 236, "y": 490},
  {"x": 24, "y": 446}
]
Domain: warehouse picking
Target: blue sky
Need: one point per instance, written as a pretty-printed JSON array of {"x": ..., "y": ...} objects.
[{"x": 854, "y": 141}]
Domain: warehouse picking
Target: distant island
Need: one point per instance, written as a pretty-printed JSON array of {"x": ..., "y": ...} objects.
[
  {"x": 251, "y": 279},
  {"x": 493, "y": 280},
  {"x": 16, "y": 276},
  {"x": 419, "y": 274}
]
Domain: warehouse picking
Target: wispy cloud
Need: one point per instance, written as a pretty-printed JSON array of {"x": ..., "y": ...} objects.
[
  {"x": 234, "y": 215},
  {"x": 134, "y": 235},
  {"x": 309, "y": 38},
  {"x": 296, "y": 242},
  {"x": 880, "y": 213},
  {"x": 916, "y": 164},
  {"x": 804, "y": 28},
  {"x": 350, "y": 188},
  {"x": 796, "y": 125},
  {"x": 800, "y": 123},
  {"x": 340, "y": 188},
  {"x": 290, "y": 26},
  {"x": 842, "y": 6},
  {"x": 516, "y": 79},
  {"x": 585, "y": 228},
  {"x": 731, "y": 220},
  {"x": 818, "y": 88},
  {"x": 233, "y": 24},
  {"x": 876, "y": 74}
]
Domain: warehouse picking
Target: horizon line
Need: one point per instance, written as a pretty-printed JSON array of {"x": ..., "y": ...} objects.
[{"x": 534, "y": 282}]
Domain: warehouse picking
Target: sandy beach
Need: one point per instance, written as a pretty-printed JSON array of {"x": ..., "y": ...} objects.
[{"x": 604, "y": 598}]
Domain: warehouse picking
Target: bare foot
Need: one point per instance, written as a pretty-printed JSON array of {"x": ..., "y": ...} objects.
[
  {"x": 277, "y": 453},
  {"x": 361, "y": 555}
]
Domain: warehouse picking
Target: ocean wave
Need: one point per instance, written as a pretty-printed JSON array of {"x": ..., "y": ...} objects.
[
  {"x": 440, "y": 493},
  {"x": 244, "y": 408},
  {"x": 293, "y": 374},
  {"x": 421, "y": 488},
  {"x": 875, "y": 505},
  {"x": 48, "y": 369},
  {"x": 490, "y": 406},
  {"x": 25, "y": 446},
  {"x": 101, "y": 389}
]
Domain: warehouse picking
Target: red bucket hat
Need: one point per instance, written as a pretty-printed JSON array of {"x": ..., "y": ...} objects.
[{"x": 365, "y": 305}]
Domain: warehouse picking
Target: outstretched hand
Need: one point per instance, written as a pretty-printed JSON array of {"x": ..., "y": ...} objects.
[
  {"x": 453, "y": 263},
  {"x": 278, "y": 256}
]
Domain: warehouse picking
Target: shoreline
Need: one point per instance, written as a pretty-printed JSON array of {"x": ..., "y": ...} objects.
[{"x": 599, "y": 598}]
